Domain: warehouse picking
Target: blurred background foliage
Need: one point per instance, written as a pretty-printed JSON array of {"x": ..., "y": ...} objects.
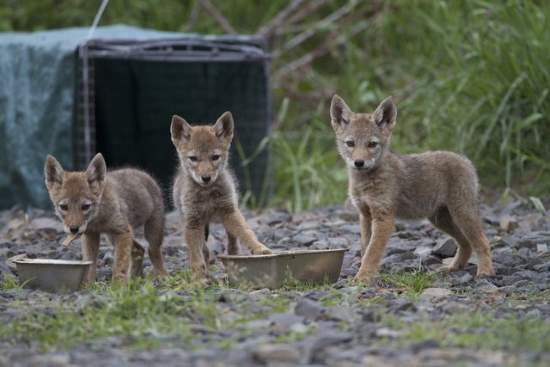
[{"x": 468, "y": 76}]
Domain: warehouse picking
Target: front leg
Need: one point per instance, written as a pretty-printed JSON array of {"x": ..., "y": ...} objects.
[
  {"x": 232, "y": 244},
  {"x": 194, "y": 238},
  {"x": 90, "y": 251},
  {"x": 236, "y": 226},
  {"x": 123, "y": 243},
  {"x": 365, "y": 226},
  {"x": 382, "y": 228}
]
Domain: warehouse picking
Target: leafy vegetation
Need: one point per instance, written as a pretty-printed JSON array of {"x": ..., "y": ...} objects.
[{"x": 468, "y": 76}]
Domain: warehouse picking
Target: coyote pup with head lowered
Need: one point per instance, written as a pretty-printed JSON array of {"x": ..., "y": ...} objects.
[
  {"x": 441, "y": 186},
  {"x": 205, "y": 190},
  {"x": 96, "y": 201}
]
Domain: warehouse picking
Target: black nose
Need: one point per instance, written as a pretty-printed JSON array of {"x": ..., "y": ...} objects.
[
  {"x": 74, "y": 230},
  {"x": 205, "y": 179},
  {"x": 359, "y": 164}
]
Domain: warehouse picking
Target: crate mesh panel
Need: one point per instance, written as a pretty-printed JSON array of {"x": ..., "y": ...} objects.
[{"x": 135, "y": 100}]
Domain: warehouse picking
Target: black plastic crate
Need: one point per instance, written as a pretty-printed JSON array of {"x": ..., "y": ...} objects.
[{"x": 128, "y": 90}]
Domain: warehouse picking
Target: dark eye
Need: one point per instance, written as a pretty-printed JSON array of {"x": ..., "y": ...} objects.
[
  {"x": 63, "y": 207},
  {"x": 372, "y": 144},
  {"x": 86, "y": 207},
  {"x": 192, "y": 158},
  {"x": 215, "y": 157},
  {"x": 350, "y": 143}
]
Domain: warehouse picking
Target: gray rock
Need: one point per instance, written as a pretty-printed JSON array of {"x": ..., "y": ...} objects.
[
  {"x": 534, "y": 314},
  {"x": 485, "y": 286},
  {"x": 525, "y": 253},
  {"x": 396, "y": 259},
  {"x": 107, "y": 257},
  {"x": 278, "y": 217},
  {"x": 338, "y": 242},
  {"x": 4, "y": 268},
  {"x": 423, "y": 251},
  {"x": 409, "y": 235},
  {"x": 351, "y": 228},
  {"x": 387, "y": 333},
  {"x": 283, "y": 322},
  {"x": 309, "y": 309},
  {"x": 460, "y": 278},
  {"x": 304, "y": 240},
  {"x": 325, "y": 339},
  {"x": 51, "y": 360},
  {"x": 507, "y": 258},
  {"x": 445, "y": 248},
  {"x": 431, "y": 261},
  {"x": 435, "y": 293},
  {"x": 276, "y": 353},
  {"x": 400, "y": 305},
  {"x": 397, "y": 246},
  {"x": 544, "y": 267},
  {"x": 527, "y": 274}
]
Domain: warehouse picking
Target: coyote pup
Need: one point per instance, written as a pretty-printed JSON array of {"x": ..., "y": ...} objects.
[
  {"x": 204, "y": 189},
  {"x": 441, "y": 186},
  {"x": 96, "y": 201}
]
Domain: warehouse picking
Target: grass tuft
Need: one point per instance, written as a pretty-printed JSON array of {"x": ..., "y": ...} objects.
[
  {"x": 412, "y": 283},
  {"x": 9, "y": 282}
]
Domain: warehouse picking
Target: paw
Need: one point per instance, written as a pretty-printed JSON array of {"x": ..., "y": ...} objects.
[
  {"x": 199, "y": 272},
  {"x": 159, "y": 274},
  {"x": 120, "y": 279},
  {"x": 485, "y": 272},
  {"x": 363, "y": 279},
  {"x": 262, "y": 251},
  {"x": 87, "y": 283}
]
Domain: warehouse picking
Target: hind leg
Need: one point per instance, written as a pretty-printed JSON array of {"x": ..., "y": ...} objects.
[
  {"x": 136, "y": 265},
  {"x": 443, "y": 220},
  {"x": 154, "y": 234},
  {"x": 468, "y": 221},
  {"x": 205, "y": 249},
  {"x": 232, "y": 245}
]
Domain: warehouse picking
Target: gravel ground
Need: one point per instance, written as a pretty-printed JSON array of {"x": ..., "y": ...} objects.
[{"x": 416, "y": 314}]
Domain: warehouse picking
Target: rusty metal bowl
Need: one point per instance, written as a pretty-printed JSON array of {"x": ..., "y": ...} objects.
[
  {"x": 276, "y": 270},
  {"x": 51, "y": 275}
]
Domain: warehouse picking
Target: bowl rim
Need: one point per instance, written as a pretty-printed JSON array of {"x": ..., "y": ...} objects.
[
  {"x": 27, "y": 261},
  {"x": 281, "y": 254}
]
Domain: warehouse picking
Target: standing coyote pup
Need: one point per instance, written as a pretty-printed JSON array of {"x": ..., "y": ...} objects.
[
  {"x": 96, "y": 201},
  {"x": 204, "y": 189},
  {"x": 440, "y": 186}
]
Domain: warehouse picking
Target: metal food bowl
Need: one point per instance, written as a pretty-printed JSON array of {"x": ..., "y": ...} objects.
[
  {"x": 52, "y": 275},
  {"x": 275, "y": 270}
]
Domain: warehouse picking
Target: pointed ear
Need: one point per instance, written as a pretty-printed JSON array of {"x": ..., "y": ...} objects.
[
  {"x": 386, "y": 113},
  {"x": 53, "y": 172},
  {"x": 224, "y": 126},
  {"x": 340, "y": 113},
  {"x": 179, "y": 129},
  {"x": 97, "y": 171}
]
